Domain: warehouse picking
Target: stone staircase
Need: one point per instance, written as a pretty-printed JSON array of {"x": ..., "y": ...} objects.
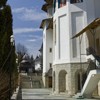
[
  {"x": 90, "y": 85},
  {"x": 31, "y": 81}
]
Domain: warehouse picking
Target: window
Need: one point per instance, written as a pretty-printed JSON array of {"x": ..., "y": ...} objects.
[
  {"x": 76, "y": 1},
  {"x": 54, "y": 27},
  {"x": 50, "y": 65},
  {"x": 55, "y": 33},
  {"x": 54, "y": 5},
  {"x": 61, "y": 3},
  {"x": 50, "y": 50}
]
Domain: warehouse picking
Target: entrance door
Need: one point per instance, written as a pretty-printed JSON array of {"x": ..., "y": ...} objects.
[{"x": 50, "y": 82}]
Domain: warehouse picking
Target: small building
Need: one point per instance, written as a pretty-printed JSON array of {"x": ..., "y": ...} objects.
[
  {"x": 38, "y": 63},
  {"x": 25, "y": 65}
]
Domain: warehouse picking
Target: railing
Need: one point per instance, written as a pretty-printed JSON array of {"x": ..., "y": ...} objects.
[
  {"x": 90, "y": 67},
  {"x": 93, "y": 64}
]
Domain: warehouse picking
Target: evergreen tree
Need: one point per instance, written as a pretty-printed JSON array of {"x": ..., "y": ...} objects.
[
  {"x": 7, "y": 52},
  {"x": 2, "y": 3}
]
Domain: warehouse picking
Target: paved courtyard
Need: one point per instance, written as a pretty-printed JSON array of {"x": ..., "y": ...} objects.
[
  {"x": 36, "y": 91},
  {"x": 45, "y": 94},
  {"x": 40, "y": 94}
]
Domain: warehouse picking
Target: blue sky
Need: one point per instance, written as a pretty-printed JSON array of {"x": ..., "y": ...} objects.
[{"x": 27, "y": 17}]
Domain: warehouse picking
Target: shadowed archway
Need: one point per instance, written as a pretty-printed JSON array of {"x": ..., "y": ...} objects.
[
  {"x": 80, "y": 77},
  {"x": 62, "y": 81}
]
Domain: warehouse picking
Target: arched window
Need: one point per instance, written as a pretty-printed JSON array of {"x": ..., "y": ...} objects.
[{"x": 61, "y": 3}]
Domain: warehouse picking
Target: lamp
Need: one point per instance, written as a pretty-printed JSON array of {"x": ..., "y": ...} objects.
[
  {"x": 10, "y": 76},
  {"x": 17, "y": 64},
  {"x": 16, "y": 60},
  {"x": 12, "y": 41}
]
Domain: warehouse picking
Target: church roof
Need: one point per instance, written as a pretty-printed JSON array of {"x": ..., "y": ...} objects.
[
  {"x": 50, "y": 23},
  {"x": 24, "y": 61},
  {"x": 44, "y": 7},
  {"x": 47, "y": 4},
  {"x": 25, "y": 57},
  {"x": 49, "y": 1}
]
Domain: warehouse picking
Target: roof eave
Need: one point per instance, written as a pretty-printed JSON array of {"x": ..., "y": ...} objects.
[
  {"x": 49, "y": 1},
  {"x": 94, "y": 24},
  {"x": 50, "y": 26},
  {"x": 43, "y": 21},
  {"x": 44, "y": 7}
]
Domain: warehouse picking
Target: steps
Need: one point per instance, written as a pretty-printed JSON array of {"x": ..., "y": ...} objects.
[
  {"x": 91, "y": 83},
  {"x": 31, "y": 81},
  {"x": 78, "y": 96}
]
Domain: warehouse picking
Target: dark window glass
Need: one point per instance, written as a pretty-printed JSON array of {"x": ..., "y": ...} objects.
[
  {"x": 50, "y": 65},
  {"x": 50, "y": 50},
  {"x": 61, "y": 3},
  {"x": 54, "y": 5},
  {"x": 76, "y": 1}
]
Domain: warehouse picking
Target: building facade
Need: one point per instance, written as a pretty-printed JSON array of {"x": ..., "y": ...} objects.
[
  {"x": 68, "y": 19},
  {"x": 39, "y": 61},
  {"x": 47, "y": 27},
  {"x": 70, "y": 64},
  {"x": 26, "y": 65}
]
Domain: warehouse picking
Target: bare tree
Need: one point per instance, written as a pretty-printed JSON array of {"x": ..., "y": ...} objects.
[{"x": 21, "y": 51}]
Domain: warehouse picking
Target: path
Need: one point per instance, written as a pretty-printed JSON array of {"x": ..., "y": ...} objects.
[
  {"x": 40, "y": 94},
  {"x": 32, "y": 89}
]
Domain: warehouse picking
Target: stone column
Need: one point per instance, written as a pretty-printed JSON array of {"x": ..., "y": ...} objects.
[
  {"x": 53, "y": 81},
  {"x": 57, "y": 82}
]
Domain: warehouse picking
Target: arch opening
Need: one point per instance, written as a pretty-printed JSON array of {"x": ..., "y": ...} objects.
[{"x": 62, "y": 81}]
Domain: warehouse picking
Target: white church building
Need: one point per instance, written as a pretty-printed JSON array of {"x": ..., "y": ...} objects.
[
  {"x": 67, "y": 20},
  {"x": 47, "y": 27}
]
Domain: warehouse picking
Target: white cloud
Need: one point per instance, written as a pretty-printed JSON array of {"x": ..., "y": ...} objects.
[
  {"x": 18, "y": 10},
  {"x": 25, "y": 30},
  {"x": 29, "y": 14},
  {"x": 35, "y": 38},
  {"x": 32, "y": 40}
]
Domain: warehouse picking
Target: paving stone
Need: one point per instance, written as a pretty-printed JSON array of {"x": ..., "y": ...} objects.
[{"x": 45, "y": 94}]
